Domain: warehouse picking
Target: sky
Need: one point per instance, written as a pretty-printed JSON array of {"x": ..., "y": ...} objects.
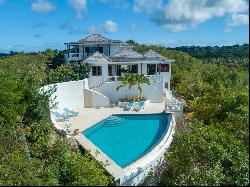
[{"x": 35, "y": 25}]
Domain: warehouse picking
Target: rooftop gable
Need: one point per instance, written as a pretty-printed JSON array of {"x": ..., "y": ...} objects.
[
  {"x": 152, "y": 55},
  {"x": 126, "y": 54},
  {"x": 97, "y": 57},
  {"x": 95, "y": 39}
]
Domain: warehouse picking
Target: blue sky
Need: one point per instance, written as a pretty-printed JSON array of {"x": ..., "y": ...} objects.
[{"x": 34, "y": 25}]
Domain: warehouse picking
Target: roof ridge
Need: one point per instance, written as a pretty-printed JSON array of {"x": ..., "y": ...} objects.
[
  {"x": 99, "y": 54},
  {"x": 128, "y": 49},
  {"x": 155, "y": 54},
  {"x": 99, "y": 36}
]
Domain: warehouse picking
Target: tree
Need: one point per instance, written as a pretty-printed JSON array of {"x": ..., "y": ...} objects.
[
  {"x": 68, "y": 72},
  {"x": 52, "y": 162},
  {"x": 205, "y": 156},
  {"x": 141, "y": 79},
  {"x": 128, "y": 80}
]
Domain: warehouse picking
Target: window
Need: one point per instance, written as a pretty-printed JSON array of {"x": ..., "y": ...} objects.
[
  {"x": 164, "y": 67},
  {"x": 134, "y": 69},
  {"x": 96, "y": 71},
  {"x": 166, "y": 85},
  {"x": 151, "y": 69},
  {"x": 93, "y": 49},
  {"x": 74, "y": 49},
  {"x": 87, "y": 49},
  {"x": 110, "y": 69},
  {"x": 100, "y": 49}
]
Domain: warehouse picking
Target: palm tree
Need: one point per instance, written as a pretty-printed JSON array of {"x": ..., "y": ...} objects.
[
  {"x": 128, "y": 79},
  {"x": 140, "y": 79}
]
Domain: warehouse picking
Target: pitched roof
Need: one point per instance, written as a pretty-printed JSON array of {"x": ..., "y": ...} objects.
[
  {"x": 95, "y": 39},
  {"x": 126, "y": 45},
  {"x": 152, "y": 55},
  {"x": 126, "y": 55},
  {"x": 97, "y": 57}
]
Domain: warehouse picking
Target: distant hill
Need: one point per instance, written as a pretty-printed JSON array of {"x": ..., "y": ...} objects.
[
  {"x": 8, "y": 54},
  {"x": 3, "y": 54},
  {"x": 235, "y": 51}
]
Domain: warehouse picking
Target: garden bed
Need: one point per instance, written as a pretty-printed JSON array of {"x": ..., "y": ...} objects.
[{"x": 124, "y": 104}]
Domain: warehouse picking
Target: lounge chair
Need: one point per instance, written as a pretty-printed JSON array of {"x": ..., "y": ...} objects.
[
  {"x": 70, "y": 112},
  {"x": 130, "y": 105},
  {"x": 60, "y": 116},
  {"x": 140, "y": 106}
]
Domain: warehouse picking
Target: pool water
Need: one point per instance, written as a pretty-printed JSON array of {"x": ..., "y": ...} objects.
[{"x": 126, "y": 138}]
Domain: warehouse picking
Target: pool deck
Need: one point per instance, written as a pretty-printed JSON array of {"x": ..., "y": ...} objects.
[{"x": 90, "y": 116}]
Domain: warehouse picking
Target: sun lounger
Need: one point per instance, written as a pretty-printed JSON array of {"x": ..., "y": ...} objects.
[
  {"x": 130, "y": 105},
  {"x": 60, "y": 116},
  {"x": 70, "y": 112},
  {"x": 140, "y": 106}
]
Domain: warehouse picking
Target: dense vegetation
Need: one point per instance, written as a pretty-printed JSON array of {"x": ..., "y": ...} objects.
[
  {"x": 211, "y": 143},
  {"x": 32, "y": 152},
  {"x": 225, "y": 55},
  {"x": 210, "y": 147},
  {"x": 234, "y": 51}
]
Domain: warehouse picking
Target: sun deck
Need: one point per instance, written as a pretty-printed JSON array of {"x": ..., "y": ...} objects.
[{"x": 90, "y": 116}]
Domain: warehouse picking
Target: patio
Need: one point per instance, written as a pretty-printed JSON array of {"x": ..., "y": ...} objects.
[{"x": 91, "y": 116}]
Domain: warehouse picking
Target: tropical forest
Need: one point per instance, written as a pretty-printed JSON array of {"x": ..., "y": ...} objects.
[{"x": 211, "y": 142}]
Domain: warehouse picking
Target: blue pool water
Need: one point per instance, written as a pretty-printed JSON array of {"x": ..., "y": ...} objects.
[{"x": 125, "y": 138}]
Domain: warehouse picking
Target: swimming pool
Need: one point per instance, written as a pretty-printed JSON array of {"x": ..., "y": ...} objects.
[{"x": 126, "y": 138}]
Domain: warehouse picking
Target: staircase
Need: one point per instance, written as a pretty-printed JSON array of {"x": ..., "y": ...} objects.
[
  {"x": 100, "y": 84},
  {"x": 114, "y": 121},
  {"x": 94, "y": 98}
]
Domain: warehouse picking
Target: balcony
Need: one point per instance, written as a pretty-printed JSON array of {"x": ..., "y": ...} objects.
[
  {"x": 73, "y": 56},
  {"x": 152, "y": 78}
]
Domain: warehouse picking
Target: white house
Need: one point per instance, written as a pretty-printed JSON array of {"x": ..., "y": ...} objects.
[
  {"x": 92, "y": 98},
  {"x": 109, "y": 59}
]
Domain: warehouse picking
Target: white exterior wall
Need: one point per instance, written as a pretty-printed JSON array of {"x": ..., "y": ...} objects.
[
  {"x": 80, "y": 49},
  {"x": 68, "y": 94},
  {"x": 152, "y": 92},
  {"x": 99, "y": 100},
  {"x": 144, "y": 69},
  {"x": 94, "y": 80}
]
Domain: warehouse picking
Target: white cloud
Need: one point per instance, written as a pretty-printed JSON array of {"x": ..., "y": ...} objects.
[
  {"x": 133, "y": 27},
  {"x": 78, "y": 6},
  {"x": 147, "y": 5},
  {"x": 42, "y": 6},
  {"x": 181, "y": 15},
  {"x": 110, "y": 26},
  {"x": 238, "y": 20},
  {"x": 94, "y": 29}
]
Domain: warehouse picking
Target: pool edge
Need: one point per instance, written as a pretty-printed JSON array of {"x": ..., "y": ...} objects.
[{"x": 125, "y": 176}]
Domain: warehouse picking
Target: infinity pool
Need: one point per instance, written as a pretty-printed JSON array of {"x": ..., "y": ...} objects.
[{"x": 126, "y": 138}]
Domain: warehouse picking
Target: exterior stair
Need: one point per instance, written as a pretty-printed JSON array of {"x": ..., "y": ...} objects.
[{"x": 114, "y": 121}]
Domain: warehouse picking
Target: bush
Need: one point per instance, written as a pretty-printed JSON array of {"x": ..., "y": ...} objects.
[
  {"x": 68, "y": 72},
  {"x": 132, "y": 99}
]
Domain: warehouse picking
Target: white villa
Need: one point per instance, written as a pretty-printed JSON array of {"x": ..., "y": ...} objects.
[
  {"x": 96, "y": 98},
  {"x": 110, "y": 58}
]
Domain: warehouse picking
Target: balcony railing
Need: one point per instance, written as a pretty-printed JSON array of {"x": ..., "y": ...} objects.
[
  {"x": 154, "y": 78},
  {"x": 73, "y": 56},
  {"x": 174, "y": 105}
]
